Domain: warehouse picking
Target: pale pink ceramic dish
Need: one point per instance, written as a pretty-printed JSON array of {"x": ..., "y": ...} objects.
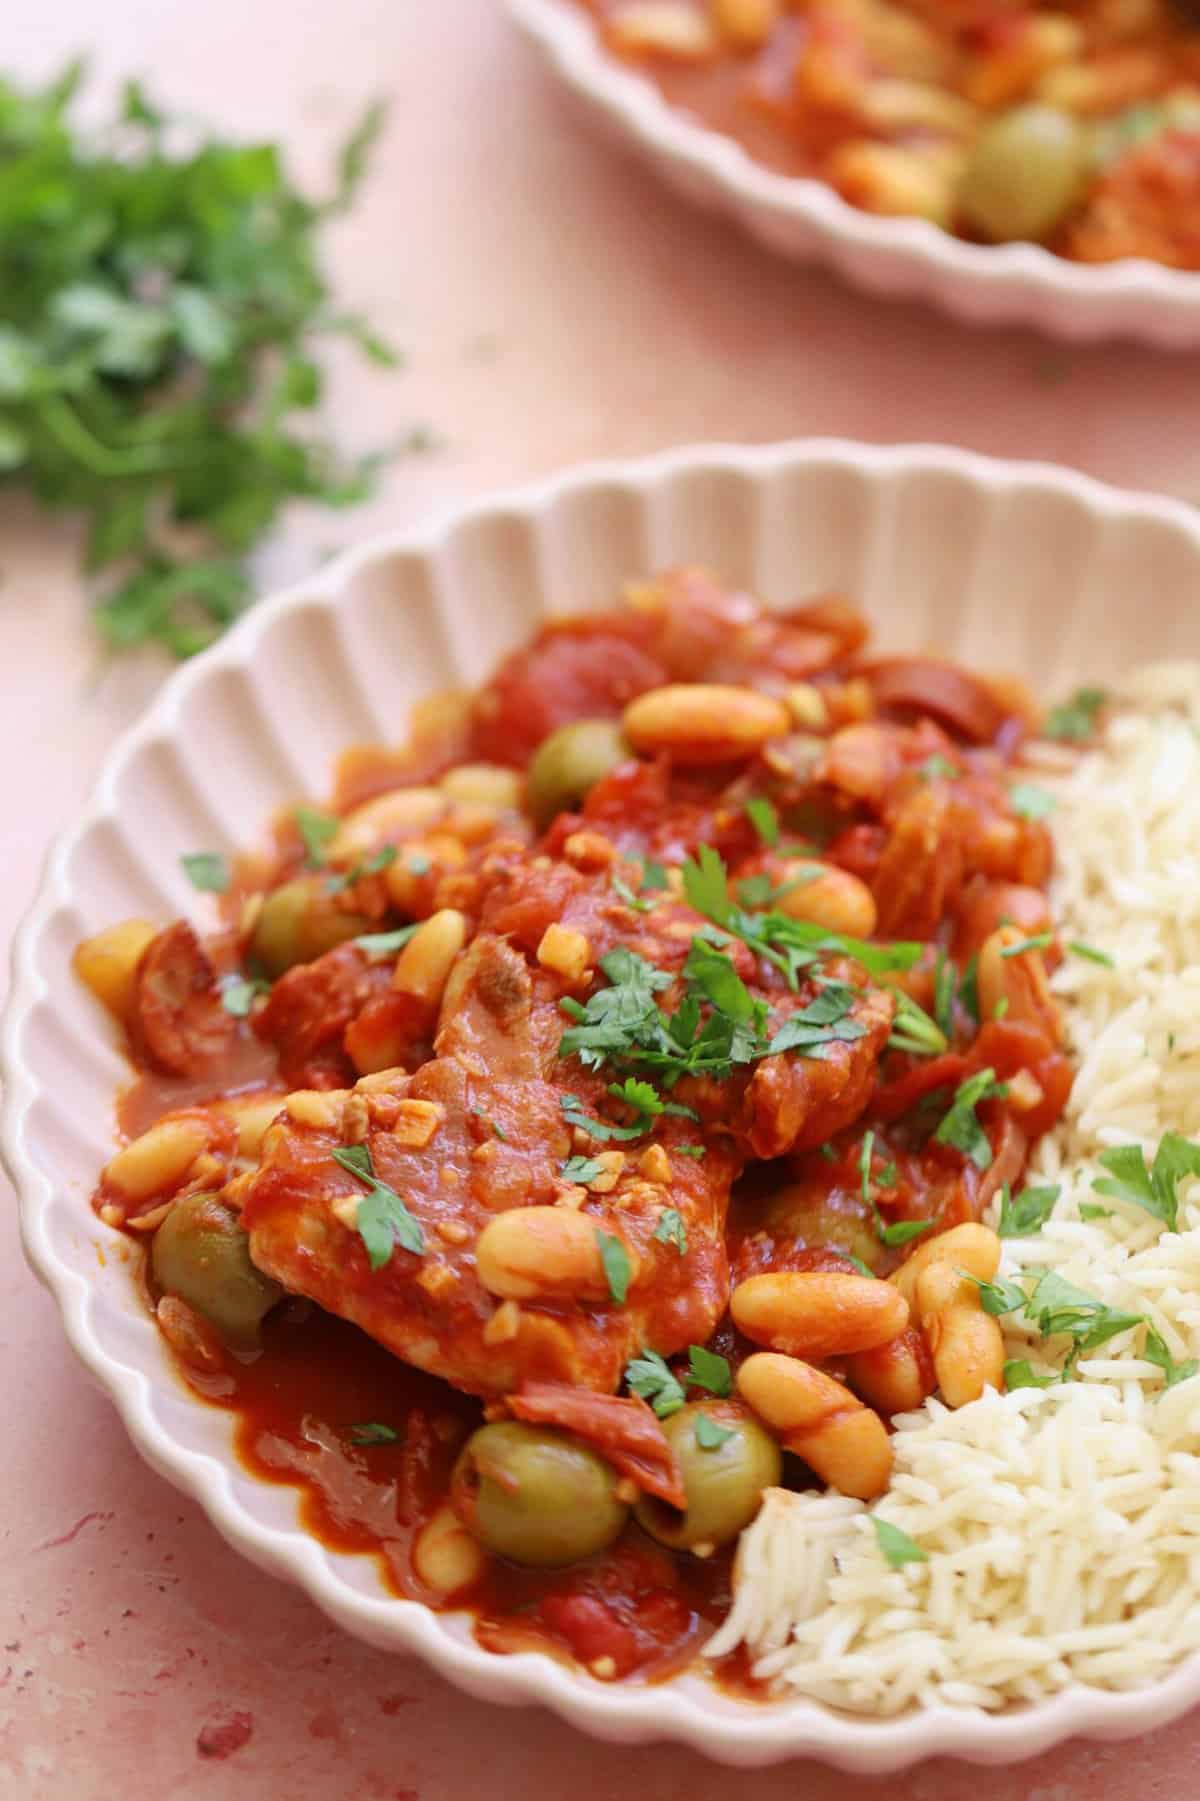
[
  {"x": 907, "y": 259},
  {"x": 1008, "y": 564}
]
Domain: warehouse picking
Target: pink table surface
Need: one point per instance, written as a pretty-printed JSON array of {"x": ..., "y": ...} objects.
[{"x": 555, "y": 306}]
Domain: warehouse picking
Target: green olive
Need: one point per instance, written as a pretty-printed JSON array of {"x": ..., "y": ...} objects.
[
  {"x": 300, "y": 921},
  {"x": 569, "y": 762},
  {"x": 724, "y": 1484},
  {"x": 1024, "y": 173},
  {"x": 535, "y": 1496},
  {"x": 201, "y": 1254}
]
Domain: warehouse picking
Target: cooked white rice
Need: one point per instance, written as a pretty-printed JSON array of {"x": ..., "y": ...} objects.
[{"x": 1062, "y": 1525}]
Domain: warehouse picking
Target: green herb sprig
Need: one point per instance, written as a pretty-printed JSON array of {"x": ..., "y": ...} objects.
[{"x": 161, "y": 309}]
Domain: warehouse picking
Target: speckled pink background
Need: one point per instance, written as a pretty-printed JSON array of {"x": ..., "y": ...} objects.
[{"x": 554, "y": 307}]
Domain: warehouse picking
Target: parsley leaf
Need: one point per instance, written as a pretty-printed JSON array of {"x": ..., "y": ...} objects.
[
  {"x": 672, "y": 1230},
  {"x": 651, "y": 1378},
  {"x": 1028, "y": 801},
  {"x": 372, "y": 865},
  {"x": 581, "y": 1169},
  {"x": 913, "y": 1030},
  {"x": 619, "y": 1017},
  {"x": 654, "y": 876},
  {"x": 1075, "y": 720},
  {"x": 206, "y": 870},
  {"x": 1057, "y": 1307},
  {"x": 625, "y": 893},
  {"x": 1153, "y": 1189},
  {"x": 603, "y": 1129},
  {"x": 1155, "y": 1351},
  {"x": 1028, "y": 1213},
  {"x": 1019, "y": 1373},
  {"x": 710, "y": 1436},
  {"x": 862, "y": 1268},
  {"x": 960, "y": 1128},
  {"x": 710, "y": 1371},
  {"x": 998, "y": 1298},
  {"x": 945, "y": 977},
  {"x": 1037, "y": 943},
  {"x": 689, "y": 1150},
  {"x": 1087, "y": 1210},
  {"x": 936, "y": 767},
  {"x": 383, "y": 1219},
  {"x": 764, "y": 817},
  {"x": 1090, "y": 953},
  {"x": 489, "y": 1122},
  {"x": 372, "y": 1433},
  {"x": 385, "y": 944},
  {"x": 901, "y": 1231},
  {"x": 163, "y": 301},
  {"x": 897, "y": 1546},
  {"x": 316, "y": 829},
  {"x": 617, "y": 1267},
  {"x": 239, "y": 994}
]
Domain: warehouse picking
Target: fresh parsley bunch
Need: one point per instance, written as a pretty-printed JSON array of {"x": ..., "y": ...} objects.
[{"x": 159, "y": 309}]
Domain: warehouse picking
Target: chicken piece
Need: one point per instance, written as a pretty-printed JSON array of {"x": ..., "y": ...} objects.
[{"x": 487, "y": 1125}]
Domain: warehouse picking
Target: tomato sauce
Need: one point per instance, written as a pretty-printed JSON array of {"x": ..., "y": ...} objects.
[{"x": 832, "y": 1157}]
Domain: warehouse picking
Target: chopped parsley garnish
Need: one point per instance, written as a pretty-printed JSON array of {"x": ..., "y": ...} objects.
[
  {"x": 654, "y": 876},
  {"x": 625, "y": 893},
  {"x": 165, "y": 316},
  {"x": 862, "y": 1268},
  {"x": 960, "y": 1128},
  {"x": 764, "y": 817},
  {"x": 1028, "y": 1213},
  {"x": 617, "y": 1267},
  {"x": 913, "y": 1030},
  {"x": 370, "y": 1432},
  {"x": 710, "y": 1436},
  {"x": 1089, "y": 1211},
  {"x": 603, "y": 1129},
  {"x": 672, "y": 1230},
  {"x": 1075, "y": 720},
  {"x": 383, "y": 1219},
  {"x": 1155, "y": 1351},
  {"x": 709, "y": 1371},
  {"x": 1020, "y": 1373},
  {"x": 945, "y": 979},
  {"x": 901, "y": 1231},
  {"x": 758, "y": 892},
  {"x": 239, "y": 993},
  {"x": 1057, "y": 1307},
  {"x": 1028, "y": 801},
  {"x": 937, "y": 767},
  {"x": 1153, "y": 1189},
  {"x": 1090, "y": 954},
  {"x": 1001, "y": 1007},
  {"x": 1039, "y": 942},
  {"x": 581, "y": 1169},
  {"x": 316, "y": 829},
  {"x": 968, "y": 987},
  {"x": 689, "y": 1150},
  {"x": 998, "y": 1298},
  {"x": 897, "y": 1546},
  {"x": 651, "y": 1378},
  {"x": 206, "y": 870},
  {"x": 372, "y": 865},
  {"x": 618, "y": 1018},
  {"x": 386, "y": 944},
  {"x": 489, "y": 1122}
]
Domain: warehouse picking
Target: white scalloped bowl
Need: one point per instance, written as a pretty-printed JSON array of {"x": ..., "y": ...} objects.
[
  {"x": 806, "y": 221},
  {"x": 1017, "y": 565}
]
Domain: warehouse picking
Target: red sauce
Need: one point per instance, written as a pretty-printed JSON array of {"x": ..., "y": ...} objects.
[{"x": 369, "y": 1443}]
